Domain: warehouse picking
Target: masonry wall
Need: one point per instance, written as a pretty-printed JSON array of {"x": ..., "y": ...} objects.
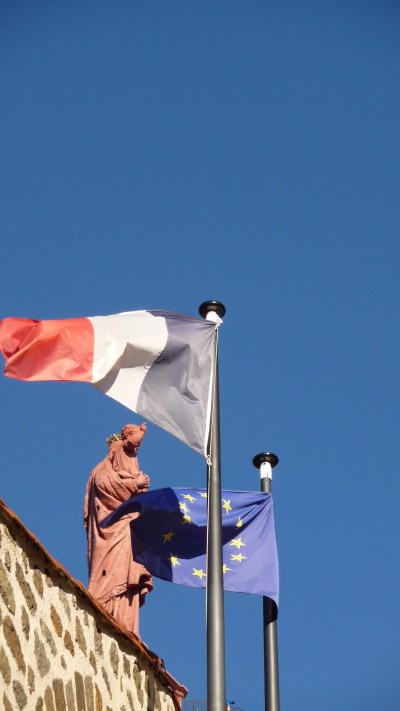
[{"x": 57, "y": 652}]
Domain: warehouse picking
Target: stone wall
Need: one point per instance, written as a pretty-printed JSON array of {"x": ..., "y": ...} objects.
[{"x": 59, "y": 651}]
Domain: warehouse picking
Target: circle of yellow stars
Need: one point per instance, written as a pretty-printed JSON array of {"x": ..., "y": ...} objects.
[{"x": 238, "y": 543}]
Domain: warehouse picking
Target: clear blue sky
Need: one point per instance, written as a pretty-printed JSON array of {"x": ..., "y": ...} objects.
[{"x": 158, "y": 154}]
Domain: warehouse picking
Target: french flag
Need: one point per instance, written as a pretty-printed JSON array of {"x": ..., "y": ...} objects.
[{"x": 157, "y": 363}]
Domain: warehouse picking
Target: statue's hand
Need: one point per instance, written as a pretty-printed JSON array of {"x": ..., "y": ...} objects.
[{"x": 142, "y": 481}]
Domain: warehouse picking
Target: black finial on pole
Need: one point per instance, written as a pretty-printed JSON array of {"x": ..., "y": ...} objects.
[
  {"x": 265, "y": 458},
  {"x": 269, "y": 457},
  {"x": 208, "y": 306}
]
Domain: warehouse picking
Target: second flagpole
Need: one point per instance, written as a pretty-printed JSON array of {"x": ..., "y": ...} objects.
[
  {"x": 216, "y": 699},
  {"x": 265, "y": 462}
]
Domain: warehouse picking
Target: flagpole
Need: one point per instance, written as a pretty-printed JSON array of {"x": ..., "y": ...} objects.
[
  {"x": 265, "y": 463},
  {"x": 216, "y": 699}
]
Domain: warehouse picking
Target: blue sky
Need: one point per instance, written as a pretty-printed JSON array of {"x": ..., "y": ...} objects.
[{"x": 155, "y": 155}]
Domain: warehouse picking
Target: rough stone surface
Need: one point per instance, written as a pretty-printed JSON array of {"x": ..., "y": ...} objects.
[
  {"x": 25, "y": 561},
  {"x": 57, "y": 651},
  {"x": 130, "y": 701},
  {"x": 25, "y": 588},
  {"x": 25, "y": 624},
  {"x": 43, "y": 664},
  {"x": 47, "y": 578},
  {"x": 38, "y": 581},
  {"x": 6, "y": 704},
  {"x": 47, "y": 636},
  {"x": 136, "y": 674},
  {"x": 157, "y": 702},
  {"x": 98, "y": 643},
  {"x": 5, "y": 668},
  {"x": 13, "y": 643},
  {"x": 89, "y": 693},
  {"x": 56, "y": 620},
  {"x": 80, "y": 692},
  {"x": 126, "y": 665},
  {"x": 20, "y": 695},
  {"x": 114, "y": 658},
  {"x": 140, "y": 694},
  {"x": 7, "y": 560},
  {"x": 31, "y": 680},
  {"x": 6, "y": 589},
  {"x": 105, "y": 677},
  {"x": 69, "y": 643},
  {"x": 70, "y": 696},
  {"x": 80, "y": 636},
  {"x": 59, "y": 696},
  {"x": 64, "y": 602},
  {"x": 48, "y": 700},
  {"x": 99, "y": 700},
  {"x": 92, "y": 661}
]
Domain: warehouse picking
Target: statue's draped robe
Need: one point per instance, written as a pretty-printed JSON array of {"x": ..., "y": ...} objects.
[{"x": 115, "y": 580}]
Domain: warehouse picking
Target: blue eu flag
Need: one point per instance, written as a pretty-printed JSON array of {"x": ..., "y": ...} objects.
[{"x": 169, "y": 538}]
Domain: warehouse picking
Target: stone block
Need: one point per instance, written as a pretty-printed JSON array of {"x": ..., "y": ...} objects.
[
  {"x": 42, "y": 661},
  {"x": 13, "y": 643},
  {"x": 59, "y": 696},
  {"x": 20, "y": 695},
  {"x": 80, "y": 692},
  {"x": 25, "y": 588},
  {"x": 6, "y": 590},
  {"x": 80, "y": 636},
  {"x": 56, "y": 621},
  {"x": 5, "y": 666}
]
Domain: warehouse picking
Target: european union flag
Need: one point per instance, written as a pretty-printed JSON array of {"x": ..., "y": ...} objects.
[{"x": 169, "y": 538}]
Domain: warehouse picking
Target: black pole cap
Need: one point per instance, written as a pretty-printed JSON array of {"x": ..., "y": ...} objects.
[
  {"x": 269, "y": 457},
  {"x": 208, "y": 306}
]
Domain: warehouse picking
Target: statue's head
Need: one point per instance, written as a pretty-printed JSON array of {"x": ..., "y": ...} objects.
[{"x": 132, "y": 435}]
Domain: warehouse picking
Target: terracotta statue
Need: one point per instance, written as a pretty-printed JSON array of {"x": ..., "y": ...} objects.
[{"x": 115, "y": 580}]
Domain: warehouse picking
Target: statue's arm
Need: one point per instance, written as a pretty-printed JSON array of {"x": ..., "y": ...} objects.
[
  {"x": 129, "y": 485},
  {"x": 143, "y": 482}
]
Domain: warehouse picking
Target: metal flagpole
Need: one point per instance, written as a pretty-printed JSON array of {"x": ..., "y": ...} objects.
[
  {"x": 213, "y": 311},
  {"x": 265, "y": 463}
]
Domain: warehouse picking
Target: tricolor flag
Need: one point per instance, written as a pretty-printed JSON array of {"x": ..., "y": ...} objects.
[
  {"x": 157, "y": 363},
  {"x": 169, "y": 538}
]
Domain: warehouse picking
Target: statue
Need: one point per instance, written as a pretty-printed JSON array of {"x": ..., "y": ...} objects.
[{"x": 115, "y": 580}]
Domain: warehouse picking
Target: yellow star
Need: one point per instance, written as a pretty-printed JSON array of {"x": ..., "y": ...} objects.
[
  {"x": 186, "y": 519},
  {"x": 239, "y": 523},
  {"x": 203, "y": 494},
  {"x": 199, "y": 573},
  {"x": 174, "y": 560},
  {"x": 227, "y": 505},
  {"x": 167, "y": 536},
  {"x": 225, "y": 568},
  {"x": 184, "y": 508},
  {"x": 189, "y": 497},
  {"x": 238, "y": 557},
  {"x": 237, "y": 542}
]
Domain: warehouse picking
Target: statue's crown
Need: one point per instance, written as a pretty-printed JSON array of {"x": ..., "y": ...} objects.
[{"x": 113, "y": 438}]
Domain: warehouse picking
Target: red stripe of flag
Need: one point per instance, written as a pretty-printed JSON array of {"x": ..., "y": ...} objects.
[{"x": 47, "y": 350}]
